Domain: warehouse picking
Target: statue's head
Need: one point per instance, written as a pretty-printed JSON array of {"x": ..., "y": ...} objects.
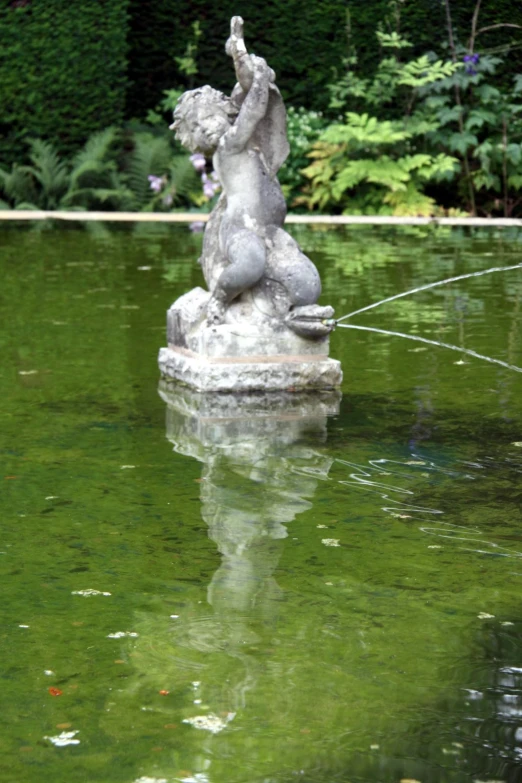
[{"x": 201, "y": 117}]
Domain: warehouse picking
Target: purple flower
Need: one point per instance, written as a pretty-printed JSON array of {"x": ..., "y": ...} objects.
[
  {"x": 471, "y": 60},
  {"x": 198, "y": 161},
  {"x": 197, "y": 227},
  {"x": 210, "y": 184},
  {"x": 156, "y": 183}
]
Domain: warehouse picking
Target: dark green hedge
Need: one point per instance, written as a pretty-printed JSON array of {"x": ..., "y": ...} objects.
[
  {"x": 302, "y": 41},
  {"x": 62, "y": 70}
]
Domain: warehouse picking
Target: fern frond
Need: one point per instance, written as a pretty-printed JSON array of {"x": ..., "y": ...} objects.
[
  {"x": 151, "y": 155},
  {"x": 49, "y": 171},
  {"x": 17, "y": 185},
  {"x": 183, "y": 178},
  {"x": 113, "y": 199},
  {"x": 97, "y": 148}
]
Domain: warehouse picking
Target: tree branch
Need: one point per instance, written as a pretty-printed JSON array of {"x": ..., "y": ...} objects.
[{"x": 474, "y": 21}]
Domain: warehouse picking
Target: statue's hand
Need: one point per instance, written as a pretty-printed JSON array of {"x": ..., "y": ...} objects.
[
  {"x": 261, "y": 69},
  {"x": 235, "y": 46}
]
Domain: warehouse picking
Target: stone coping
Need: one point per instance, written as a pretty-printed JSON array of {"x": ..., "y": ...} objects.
[{"x": 194, "y": 217}]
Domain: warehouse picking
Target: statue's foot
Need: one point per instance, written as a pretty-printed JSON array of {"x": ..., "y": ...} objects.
[{"x": 215, "y": 312}]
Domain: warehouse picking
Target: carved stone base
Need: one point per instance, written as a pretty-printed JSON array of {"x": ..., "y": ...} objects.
[
  {"x": 260, "y": 373},
  {"x": 251, "y": 351}
]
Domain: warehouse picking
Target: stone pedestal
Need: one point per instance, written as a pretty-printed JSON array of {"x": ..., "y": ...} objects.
[{"x": 240, "y": 355}]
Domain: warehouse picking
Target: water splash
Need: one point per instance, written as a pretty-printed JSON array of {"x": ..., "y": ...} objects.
[
  {"x": 428, "y": 286},
  {"x": 451, "y": 347}
]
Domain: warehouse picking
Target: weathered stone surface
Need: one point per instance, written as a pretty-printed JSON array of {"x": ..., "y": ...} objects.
[
  {"x": 239, "y": 374},
  {"x": 251, "y": 412},
  {"x": 259, "y": 326}
]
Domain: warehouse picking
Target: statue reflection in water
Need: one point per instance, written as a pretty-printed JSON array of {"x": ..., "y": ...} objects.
[
  {"x": 220, "y": 658},
  {"x": 259, "y": 472}
]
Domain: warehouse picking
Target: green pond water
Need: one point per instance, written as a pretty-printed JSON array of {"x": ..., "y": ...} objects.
[{"x": 318, "y": 598}]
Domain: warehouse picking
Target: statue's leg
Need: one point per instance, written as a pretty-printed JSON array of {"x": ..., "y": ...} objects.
[
  {"x": 246, "y": 255},
  {"x": 289, "y": 266}
]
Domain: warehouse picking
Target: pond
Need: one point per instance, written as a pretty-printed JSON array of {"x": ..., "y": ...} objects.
[{"x": 326, "y": 591}]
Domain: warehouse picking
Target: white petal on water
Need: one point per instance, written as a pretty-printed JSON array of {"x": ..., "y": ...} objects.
[
  {"x": 322, "y": 526},
  {"x": 23, "y": 626},
  {"x": 485, "y": 616},
  {"x": 121, "y": 634},
  {"x": 517, "y": 443},
  {"x": 127, "y": 467},
  {"x": 52, "y": 497},
  {"x": 507, "y": 622},
  {"x": 210, "y": 722},
  {"x": 144, "y": 268},
  {"x": 27, "y": 372},
  {"x": 48, "y": 672},
  {"x": 174, "y": 616},
  {"x": 65, "y": 738},
  {"x": 89, "y": 592},
  {"x": 330, "y": 541},
  {"x": 435, "y": 546},
  {"x": 146, "y": 779}
]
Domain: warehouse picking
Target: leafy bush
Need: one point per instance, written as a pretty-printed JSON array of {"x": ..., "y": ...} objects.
[
  {"x": 304, "y": 128},
  {"x": 367, "y": 164},
  {"x": 431, "y": 131}
]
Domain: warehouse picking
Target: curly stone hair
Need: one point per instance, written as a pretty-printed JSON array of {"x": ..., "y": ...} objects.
[{"x": 191, "y": 102}]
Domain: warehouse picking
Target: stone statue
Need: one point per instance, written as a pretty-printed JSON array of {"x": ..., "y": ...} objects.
[{"x": 258, "y": 278}]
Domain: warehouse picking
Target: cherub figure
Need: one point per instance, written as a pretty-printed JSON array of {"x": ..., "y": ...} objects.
[{"x": 245, "y": 247}]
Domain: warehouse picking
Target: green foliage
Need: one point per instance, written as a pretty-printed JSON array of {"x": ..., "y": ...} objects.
[
  {"x": 423, "y": 22},
  {"x": 482, "y": 124},
  {"x": 429, "y": 130},
  {"x": 104, "y": 175},
  {"x": 303, "y": 129},
  {"x": 367, "y": 164},
  {"x": 187, "y": 64},
  {"x": 62, "y": 71}
]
